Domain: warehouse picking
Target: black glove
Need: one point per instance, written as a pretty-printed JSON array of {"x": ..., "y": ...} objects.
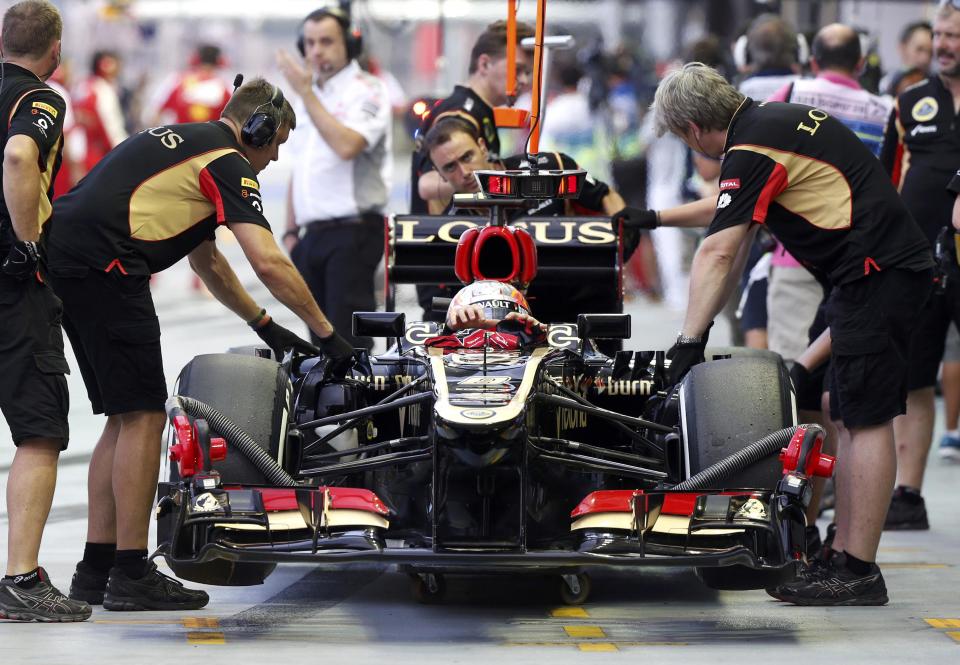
[
  {"x": 637, "y": 218},
  {"x": 633, "y": 220},
  {"x": 21, "y": 261},
  {"x": 684, "y": 355},
  {"x": 340, "y": 353},
  {"x": 279, "y": 339}
]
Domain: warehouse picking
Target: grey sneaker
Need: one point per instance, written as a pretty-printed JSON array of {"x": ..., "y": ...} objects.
[
  {"x": 43, "y": 602},
  {"x": 153, "y": 591}
]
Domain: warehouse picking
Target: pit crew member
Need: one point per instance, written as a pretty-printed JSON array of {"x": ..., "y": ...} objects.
[
  {"x": 158, "y": 197},
  {"x": 474, "y": 102},
  {"x": 33, "y": 389},
  {"x": 339, "y": 190},
  {"x": 921, "y": 152},
  {"x": 826, "y": 198},
  {"x": 457, "y": 150}
]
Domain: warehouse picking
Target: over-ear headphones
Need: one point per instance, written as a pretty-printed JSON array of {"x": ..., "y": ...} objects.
[
  {"x": 262, "y": 125},
  {"x": 741, "y": 51},
  {"x": 351, "y": 36}
]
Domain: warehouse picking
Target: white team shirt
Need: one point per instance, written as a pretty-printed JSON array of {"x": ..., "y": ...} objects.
[{"x": 324, "y": 185}]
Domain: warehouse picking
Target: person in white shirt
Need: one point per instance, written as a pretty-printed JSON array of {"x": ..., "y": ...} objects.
[{"x": 339, "y": 187}]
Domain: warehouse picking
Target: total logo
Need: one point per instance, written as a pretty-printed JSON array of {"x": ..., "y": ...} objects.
[{"x": 724, "y": 200}]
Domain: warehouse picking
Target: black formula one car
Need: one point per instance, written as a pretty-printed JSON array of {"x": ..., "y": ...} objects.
[{"x": 550, "y": 457}]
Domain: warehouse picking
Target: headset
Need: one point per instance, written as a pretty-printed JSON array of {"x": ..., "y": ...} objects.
[
  {"x": 351, "y": 36},
  {"x": 261, "y": 126},
  {"x": 741, "y": 51}
]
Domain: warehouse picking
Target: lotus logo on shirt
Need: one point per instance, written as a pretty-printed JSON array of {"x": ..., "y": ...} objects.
[
  {"x": 724, "y": 200},
  {"x": 925, "y": 109}
]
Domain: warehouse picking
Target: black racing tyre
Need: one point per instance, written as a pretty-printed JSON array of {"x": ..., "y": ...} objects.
[
  {"x": 252, "y": 392},
  {"x": 718, "y": 352},
  {"x": 744, "y": 578},
  {"x": 725, "y": 405}
]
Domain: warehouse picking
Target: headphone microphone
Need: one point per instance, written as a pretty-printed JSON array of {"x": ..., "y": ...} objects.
[{"x": 237, "y": 81}]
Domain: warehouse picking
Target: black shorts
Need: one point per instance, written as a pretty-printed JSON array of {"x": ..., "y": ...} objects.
[
  {"x": 871, "y": 321},
  {"x": 113, "y": 328},
  {"x": 929, "y": 339},
  {"x": 753, "y": 316},
  {"x": 33, "y": 387}
]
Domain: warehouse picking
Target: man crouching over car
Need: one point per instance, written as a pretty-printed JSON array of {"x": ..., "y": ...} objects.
[{"x": 157, "y": 197}]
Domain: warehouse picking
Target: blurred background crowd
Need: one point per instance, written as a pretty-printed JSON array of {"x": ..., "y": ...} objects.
[{"x": 132, "y": 64}]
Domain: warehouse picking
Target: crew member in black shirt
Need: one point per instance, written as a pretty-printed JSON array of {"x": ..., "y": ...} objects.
[
  {"x": 33, "y": 389},
  {"x": 157, "y": 197},
  {"x": 474, "y": 102},
  {"x": 457, "y": 151},
  {"x": 827, "y": 199},
  {"x": 921, "y": 151}
]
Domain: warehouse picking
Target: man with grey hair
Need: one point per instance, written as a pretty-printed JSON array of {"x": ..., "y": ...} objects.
[{"x": 821, "y": 191}]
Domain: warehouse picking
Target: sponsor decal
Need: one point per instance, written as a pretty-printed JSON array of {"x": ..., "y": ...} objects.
[
  {"x": 468, "y": 104},
  {"x": 478, "y": 414},
  {"x": 42, "y": 125},
  {"x": 544, "y": 231},
  {"x": 484, "y": 380},
  {"x": 730, "y": 183},
  {"x": 925, "y": 109},
  {"x": 923, "y": 129},
  {"x": 206, "y": 503},
  {"x": 45, "y": 107},
  {"x": 248, "y": 182},
  {"x": 724, "y": 200},
  {"x": 418, "y": 333}
]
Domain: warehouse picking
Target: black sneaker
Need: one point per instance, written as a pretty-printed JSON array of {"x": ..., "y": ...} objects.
[
  {"x": 906, "y": 513},
  {"x": 835, "y": 584},
  {"x": 88, "y": 584},
  {"x": 807, "y": 573},
  {"x": 41, "y": 603},
  {"x": 154, "y": 591}
]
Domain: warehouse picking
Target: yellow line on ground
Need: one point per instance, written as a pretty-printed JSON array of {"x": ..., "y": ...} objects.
[
  {"x": 580, "y": 632},
  {"x": 200, "y": 622},
  {"x": 944, "y": 623},
  {"x": 955, "y": 634},
  {"x": 912, "y": 565},
  {"x": 597, "y": 646},
  {"x": 618, "y": 644},
  {"x": 206, "y": 638},
  {"x": 569, "y": 612}
]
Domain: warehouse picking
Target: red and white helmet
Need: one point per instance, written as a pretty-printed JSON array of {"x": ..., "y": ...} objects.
[{"x": 497, "y": 299}]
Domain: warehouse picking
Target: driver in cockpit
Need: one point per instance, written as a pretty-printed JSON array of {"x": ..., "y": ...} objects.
[{"x": 485, "y": 304}]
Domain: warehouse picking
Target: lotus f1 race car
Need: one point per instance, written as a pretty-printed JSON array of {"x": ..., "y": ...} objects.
[{"x": 467, "y": 454}]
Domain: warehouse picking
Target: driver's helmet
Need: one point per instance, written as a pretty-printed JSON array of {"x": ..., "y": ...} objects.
[{"x": 497, "y": 299}]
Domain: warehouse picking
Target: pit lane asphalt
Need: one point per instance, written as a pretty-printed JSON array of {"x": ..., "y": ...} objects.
[{"x": 358, "y": 616}]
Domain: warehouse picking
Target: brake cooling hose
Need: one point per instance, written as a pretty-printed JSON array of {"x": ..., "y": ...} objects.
[
  {"x": 235, "y": 436},
  {"x": 769, "y": 445}
]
